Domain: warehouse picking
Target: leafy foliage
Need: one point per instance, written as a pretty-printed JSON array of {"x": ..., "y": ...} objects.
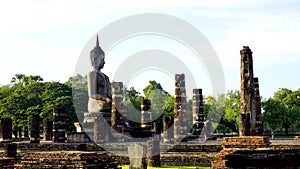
[
  {"x": 283, "y": 109},
  {"x": 29, "y": 95}
]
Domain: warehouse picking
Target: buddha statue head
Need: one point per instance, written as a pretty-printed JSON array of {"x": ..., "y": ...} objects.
[{"x": 97, "y": 56}]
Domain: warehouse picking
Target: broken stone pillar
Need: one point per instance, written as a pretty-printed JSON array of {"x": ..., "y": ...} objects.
[
  {"x": 6, "y": 129},
  {"x": 180, "y": 113},
  {"x": 59, "y": 125},
  {"x": 198, "y": 115},
  {"x": 137, "y": 156},
  {"x": 35, "y": 129},
  {"x": 153, "y": 153},
  {"x": 247, "y": 115},
  {"x": 48, "y": 129},
  {"x": 259, "y": 123},
  {"x": 146, "y": 116},
  {"x": 168, "y": 129},
  {"x": 117, "y": 120}
]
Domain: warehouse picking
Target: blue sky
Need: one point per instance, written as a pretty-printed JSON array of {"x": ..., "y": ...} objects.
[{"x": 47, "y": 37}]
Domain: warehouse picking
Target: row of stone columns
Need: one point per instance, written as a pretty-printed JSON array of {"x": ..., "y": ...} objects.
[
  {"x": 53, "y": 130},
  {"x": 174, "y": 129}
]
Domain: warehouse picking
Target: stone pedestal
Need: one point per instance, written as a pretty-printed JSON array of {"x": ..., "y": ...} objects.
[
  {"x": 97, "y": 126},
  {"x": 233, "y": 144},
  {"x": 35, "y": 129},
  {"x": 48, "y": 129},
  {"x": 180, "y": 113},
  {"x": 168, "y": 129},
  {"x": 6, "y": 130},
  {"x": 137, "y": 156},
  {"x": 59, "y": 125}
]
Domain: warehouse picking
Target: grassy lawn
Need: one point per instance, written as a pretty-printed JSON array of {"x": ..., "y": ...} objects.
[{"x": 169, "y": 167}]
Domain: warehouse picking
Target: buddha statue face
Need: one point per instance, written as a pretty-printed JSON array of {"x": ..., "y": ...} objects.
[
  {"x": 97, "y": 58},
  {"x": 98, "y": 62}
]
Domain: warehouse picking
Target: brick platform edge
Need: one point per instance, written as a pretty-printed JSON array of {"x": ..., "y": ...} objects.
[{"x": 254, "y": 152}]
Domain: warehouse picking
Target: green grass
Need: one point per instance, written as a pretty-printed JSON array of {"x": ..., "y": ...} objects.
[{"x": 169, "y": 167}]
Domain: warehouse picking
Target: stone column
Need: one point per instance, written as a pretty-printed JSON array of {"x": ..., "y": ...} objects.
[
  {"x": 48, "y": 129},
  {"x": 180, "y": 114},
  {"x": 35, "y": 129},
  {"x": 259, "y": 122},
  {"x": 153, "y": 153},
  {"x": 6, "y": 129},
  {"x": 168, "y": 129},
  {"x": 146, "y": 116},
  {"x": 117, "y": 120},
  {"x": 198, "y": 115},
  {"x": 59, "y": 125},
  {"x": 247, "y": 115}
]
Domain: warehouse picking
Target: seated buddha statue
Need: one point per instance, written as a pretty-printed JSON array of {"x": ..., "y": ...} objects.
[{"x": 98, "y": 83}]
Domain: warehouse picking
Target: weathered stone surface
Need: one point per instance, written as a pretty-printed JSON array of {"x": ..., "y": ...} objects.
[
  {"x": 66, "y": 159},
  {"x": 248, "y": 112},
  {"x": 35, "y": 129},
  {"x": 48, "y": 129},
  {"x": 198, "y": 115},
  {"x": 250, "y": 116},
  {"x": 146, "y": 115},
  {"x": 248, "y": 142},
  {"x": 180, "y": 113},
  {"x": 6, "y": 129},
  {"x": 202, "y": 159},
  {"x": 99, "y": 129},
  {"x": 232, "y": 144},
  {"x": 153, "y": 153},
  {"x": 137, "y": 156},
  {"x": 118, "y": 108},
  {"x": 59, "y": 125},
  {"x": 168, "y": 129},
  {"x": 259, "y": 123},
  {"x": 78, "y": 137}
]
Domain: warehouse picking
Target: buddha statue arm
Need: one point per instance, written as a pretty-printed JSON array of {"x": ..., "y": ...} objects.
[{"x": 100, "y": 97}]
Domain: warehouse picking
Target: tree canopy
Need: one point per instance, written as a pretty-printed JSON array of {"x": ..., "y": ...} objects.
[{"x": 282, "y": 110}]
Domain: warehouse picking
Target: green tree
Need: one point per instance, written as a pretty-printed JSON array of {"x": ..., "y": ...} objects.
[
  {"x": 133, "y": 103},
  {"x": 152, "y": 86},
  {"x": 232, "y": 110},
  {"x": 80, "y": 96},
  {"x": 282, "y": 111}
]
